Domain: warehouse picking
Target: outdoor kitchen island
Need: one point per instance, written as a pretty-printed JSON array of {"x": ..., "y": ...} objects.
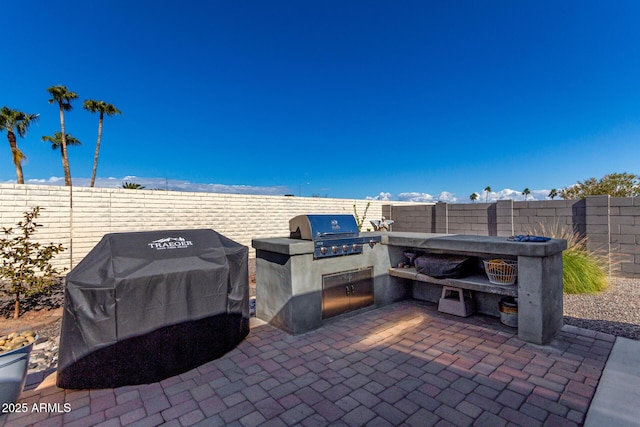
[
  {"x": 289, "y": 281},
  {"x": 296, "y": 291}
]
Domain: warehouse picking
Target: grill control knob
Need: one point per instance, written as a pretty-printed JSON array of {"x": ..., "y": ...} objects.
[
  {"x": 323, "y": 250},
  {"x": 334, "y": 249},
  {"x": 345, "y": 248}
]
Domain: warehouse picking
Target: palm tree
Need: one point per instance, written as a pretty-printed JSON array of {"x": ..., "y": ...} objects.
[
  {"x": 473, "y": 197},
  {"x": 102, "y": 108},
  {"x": 526, "y": 192},
  {"x": 553, "y": 193},
  {"x": 56, "y": 141},
  {"x": 132, "y": 186},
  {"x": 487, "y": 190},
  {"x": 61, "y": 95},
  {"x": 14, "y": 119}
]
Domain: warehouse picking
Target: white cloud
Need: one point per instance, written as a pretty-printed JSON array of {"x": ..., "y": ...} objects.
[
  {"x": 382, "y": 196},
  {"x": 167, "y": 184},
  {"x": 181, "y": 185},
  {"x": 516, "y": 195},
  {"x": 445, "y": 196},
  {"x": 414, "y": 196}
]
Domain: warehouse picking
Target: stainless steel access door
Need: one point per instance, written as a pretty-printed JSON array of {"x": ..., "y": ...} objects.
[{"x": 346, "y": 291}]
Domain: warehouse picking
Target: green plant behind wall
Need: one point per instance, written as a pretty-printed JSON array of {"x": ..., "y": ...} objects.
[
  {"x": 25, "y": 267},
  {"x": 360, "y": 221},
  {"x": 583, "y": 270}
]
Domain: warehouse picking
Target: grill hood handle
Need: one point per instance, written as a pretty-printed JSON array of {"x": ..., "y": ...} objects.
[
  {"x": 337, "y": 233},
  {"x": 296, "y": 234}
]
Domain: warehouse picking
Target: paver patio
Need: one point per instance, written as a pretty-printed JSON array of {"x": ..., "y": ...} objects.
[{"x": 403, "y": 364}]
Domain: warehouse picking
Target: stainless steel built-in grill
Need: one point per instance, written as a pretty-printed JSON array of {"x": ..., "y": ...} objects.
[
  {"x": 347, "y": 285},
  {"x": 333, "y": 234},
  {"x": 334, "y": 270}
]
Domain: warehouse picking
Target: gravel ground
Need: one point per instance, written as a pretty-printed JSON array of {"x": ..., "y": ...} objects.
[{"x": 615, "y": 311}]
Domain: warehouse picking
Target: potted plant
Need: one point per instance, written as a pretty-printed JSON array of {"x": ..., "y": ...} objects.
[
  {"x": 25, "y": 269},
  {"x": 14, "y": 363}
]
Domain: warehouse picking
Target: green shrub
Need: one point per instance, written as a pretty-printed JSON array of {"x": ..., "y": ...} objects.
[
  {"x": 583, "y": 270},
  {"x": 25, "y": 267}
]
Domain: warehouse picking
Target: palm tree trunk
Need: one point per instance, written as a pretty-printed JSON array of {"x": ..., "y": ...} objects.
[
  {"x": 95, "y": 156},
  {"x": 16, "y": 156},
  {"x": 63, "y": 150}
]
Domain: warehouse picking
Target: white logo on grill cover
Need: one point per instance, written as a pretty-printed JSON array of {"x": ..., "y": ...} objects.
[{"x": 170, "y": 243}]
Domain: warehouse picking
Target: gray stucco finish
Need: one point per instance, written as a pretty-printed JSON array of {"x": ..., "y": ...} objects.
[
  {"x": 462, "y": 243},
  {"x": 289, "y": 281},
  {"x": 540, "y": 295},
  {"x": 540, "y": 310},
  {"x": 289, "y": 285}
]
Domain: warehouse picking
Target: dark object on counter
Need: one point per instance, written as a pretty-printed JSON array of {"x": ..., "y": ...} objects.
[
  {"x": 410, "y": 257},
  {"x": 142, "y": 307},
  {"x": 443, "y": 266}
]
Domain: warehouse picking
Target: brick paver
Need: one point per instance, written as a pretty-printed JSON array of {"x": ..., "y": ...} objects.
[{"x": 401, "y": 364}]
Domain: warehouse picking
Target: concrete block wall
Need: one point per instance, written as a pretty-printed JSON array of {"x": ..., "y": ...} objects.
[
  {"x": 546, "y": 216},
  {"x": 79, "y": 218},
  {"x": 414, "y": 217},
  {"x": 611, "y": 225},
  {"x": 471, "y": 218},
  {"x": 624, "y": 231}
]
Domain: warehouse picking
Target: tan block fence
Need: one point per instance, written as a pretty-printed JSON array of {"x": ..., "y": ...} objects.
[{"x": 79, "y": 217}]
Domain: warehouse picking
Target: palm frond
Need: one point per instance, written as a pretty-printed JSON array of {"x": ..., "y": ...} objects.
[
  {"x": 17, "y": 156},
  {"x": 102, "y": 107},
  {"x": 56, "y": 140}
]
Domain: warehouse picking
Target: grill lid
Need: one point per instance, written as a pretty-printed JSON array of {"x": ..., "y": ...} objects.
[{"x": 322, "y": 226}]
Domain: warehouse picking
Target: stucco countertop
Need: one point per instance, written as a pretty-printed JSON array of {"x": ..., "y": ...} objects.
[
  {"x": 462, "y": 243},
  {"x": 283, "y": 245}
]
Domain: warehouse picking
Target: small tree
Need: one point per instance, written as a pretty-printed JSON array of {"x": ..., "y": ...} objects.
[
  {"x": 473, "y": 197},
  {"x": 25, "y": 267},
  {"x": 526, "y": 193},
  {"x": 614, "y": 184},
  {"x": 553, "y": 193}
]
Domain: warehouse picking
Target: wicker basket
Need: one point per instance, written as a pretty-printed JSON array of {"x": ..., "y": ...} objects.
[{"x": 501, "y": 271}]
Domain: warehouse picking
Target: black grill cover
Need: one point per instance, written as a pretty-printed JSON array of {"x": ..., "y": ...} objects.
[
  {"x": 141, "y": 307},
  {"x": 442, "y": 266}
]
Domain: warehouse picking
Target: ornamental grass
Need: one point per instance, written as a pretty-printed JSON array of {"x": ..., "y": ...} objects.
[{"x": 584, "y": 271}]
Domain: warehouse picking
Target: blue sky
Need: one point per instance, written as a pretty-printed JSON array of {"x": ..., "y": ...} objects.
[{"x": 408, "y": 100}]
